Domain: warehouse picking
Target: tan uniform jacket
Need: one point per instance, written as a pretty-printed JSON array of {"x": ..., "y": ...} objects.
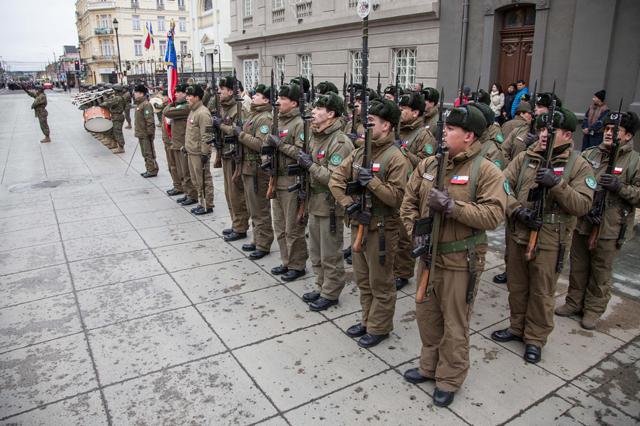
[
  {"x": 206, "y": 98},
  {"x": 431, "y": 120},
  {"x": 627, "y": 200},
  {"x": 515, "y": 143},
  {"x": 422, "y": 146},
  {"x": 255, "y": 130},
  {"x": 359, "y": 129},
  {"x": 484, "y": 214},
  {"x": 163, "y": 126},
  {"x": 511, "y": 125},
  {"x": 292, "y": 142},
  {"x": 144, "y": 121},
  {"x": 195, "y": 138},
  {"x": 228, "y": 113},
  {"x": 326, "y": 156},
  {"x": 572, "y": 197},
  {"x": 387, "y": 192},
  {"x": 178, "y": 114},
  {"x": 494, "y": 153}
]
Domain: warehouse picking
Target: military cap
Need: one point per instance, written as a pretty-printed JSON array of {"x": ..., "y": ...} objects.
[
  {"x": 165, "y": 92},
  {"x": 140, "y": 88},
  {"x": 93, "y": 87},
  {"x": 290, "y": 91},
  {"x": 523, "y": 107},
  {"x": 390, "y": 90},
  {"x": 372, "y": 94},
  {"x": 195, "y": 90},
  {"x": 431, "y": 95},
  {"x": 203, "y": 84},
  {"x": 227, "y": 82},
  {"x": 109, "y": 86},
  {"x": 39, "y": 87},
  {"x": 356, "y": 86},
  {"x": 326, "y": 86},
  {"x": 483, "y": 97},
  {"x": 629, "y": 121},
  {"x": 414, "y": 101},
  {"x": 544, "y": 99},
  {"x": 331, "y": 102},
  {"x": 117, "y": 87},
  {"x": 486, "y": 111},
  {"x": 182, "y": 88},
  {"x": 264, "y": 90},
  {"x": 385, "y": 109},
  {"x": 468, "y": 117},
  {"x": 101, "y": 84},
  {"x": 305, "y": 83},
  {"x": 562, "y": 119}
]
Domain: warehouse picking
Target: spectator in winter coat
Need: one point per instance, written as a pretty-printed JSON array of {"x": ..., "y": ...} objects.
[
  {"x": 522, "y": 90},
  {"x": 497, "y": 100},
  {"x": 508, "y": 101},
  {"x": 592, "y": 123},
  {"x": 465, "y": 96}
]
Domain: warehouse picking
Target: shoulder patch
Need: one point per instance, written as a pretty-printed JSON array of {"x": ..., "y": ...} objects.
[
  {"x": 591, "y": 182},
  {"x": 269, "y": 116},
  {"x": 178, "y": 106},
  {"x": 499, "y": 138},
  {"x": 409, "y": 174},
  {"x": 264, "y": 129},
  {"x": 146, "y": 112},
  {"x": 498, "y": 163},
  {"x": 506, "y": 187},
  {"x": 428, "y": 149},
  {"x": 302, "y": 136},
  {"x": 336, "y": 159}
]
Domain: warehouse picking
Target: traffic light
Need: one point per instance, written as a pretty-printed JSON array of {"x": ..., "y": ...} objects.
[
  {"x": 128, "y": 65},
  {"x": 77, "y": 65}
]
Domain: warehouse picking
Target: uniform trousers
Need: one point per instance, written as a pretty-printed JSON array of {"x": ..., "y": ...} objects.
[
  {"x": 116, "y": 131},
  {"x": 404, "y": 265},
  {"x": 259, "y": 209},
  {"x": 290, "y": 236},
  {"x": 173, "y": 168},
  {"x": 182, "y": 166},
  {"x": 325, "y": 250},
  {"x": 195, "y": 168},
  {"x": 234, "y": 193},
  {"x": 148, "y": 152}
]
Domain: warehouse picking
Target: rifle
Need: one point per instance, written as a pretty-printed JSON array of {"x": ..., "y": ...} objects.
[
  {"x": 461, "y": 93},
  {"x": 352, "y": 98},
  {"x": 344, "y": 92},
  {"x": 236, "y": 152},
  {"x": 532, "y": 103},
  {"x": 538, "y": 194},
  {"x": 217, "y": 136},
  {"x": 295, "y": 169},
  {"x": 475, "y": 96},
  {"x": 396, "y": 94},
  {"x": 268, "y": 149},
  {"x": 600, "y": 195},
  {"x": 354, "y": 188},
  {"x": 429, "y": 227},
  {"x": 312, "y": 97},
  {"x": 379, "y": 89}
]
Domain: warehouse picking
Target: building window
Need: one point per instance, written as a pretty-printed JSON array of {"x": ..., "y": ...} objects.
[
  {"x": 160, "y": 23},
  {"x": 135, "y": 20},
  {"x": 251, "y": 73},
  {"x": 105, "y": 22},
  {"x": 182, "y": 24},
  {"x": 280, "y": 69},
  {"x": 180, "y": 4},
  {"x": 183, "y": 47},
  {"x": 208, "y": 5},
  {"x": 277, "y": 4},
  {"x": 137, "y": 47},
  {"x": 404, "y": 66},
  {"x": 248, "y": 10},
  {"x": 304, "y": 66},
  {"x": 160, "y": 4},
  {"x": 163, "y": 48},
  {"x": 355, "y": 63}
]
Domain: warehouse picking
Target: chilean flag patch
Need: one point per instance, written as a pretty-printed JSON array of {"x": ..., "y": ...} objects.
[
  {"x": 618, "y": 170},
  {"x": 459, "y": 180},
  {"x": 404, "y": 143},
  {"x": 320, "y": 154},
  {"x": 191, "y": 121},
  {"x": 284, "y": 132},
  {"x": 249, "y": 123},
  {"x": 376, "y": 167},
  {"x": 360, "y": 136},
  {"x": 558, "y": 170},
  {"x": 351, "y": 117}
]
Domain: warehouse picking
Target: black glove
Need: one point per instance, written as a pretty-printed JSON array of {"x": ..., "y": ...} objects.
[
  {"x": 302, "y": 194},
  {"x": 364, "y": 218},
  {"x": 523, "y": 215},
  {"x": 237, "y": 130},
  {"x": 364, "y": 176},
  {"x": 531, "y": 139},
  {"x": 594, "y": 218},
  {"x": 440, "y": 201},
  {"x": 204, "y": 158},
  {"x": 611, "y": 183},
  {"x": 305, "y": 160},
  {"x": 353, "y": 137},
  {"x": 217, "y": 122},
  {"x": 345, "y": 118},
  {"x": 547, "y": 177},
  {"x": 183, "y": 151},
  {"x": 274, "y": 141}
]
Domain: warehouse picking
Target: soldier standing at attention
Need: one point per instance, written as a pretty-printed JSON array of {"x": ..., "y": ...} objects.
[
  {"x": 126, "y": 97},
  {"x": 357, "y": 135},
  {"x": 431, "y": 99},
  {"x": 517, "y": 139},
  {"x": 491, "y": 138},
  {"x": 329, "y": 147},
  {"x": 233, "y": 191},
  {"x": 177, "y": 112},
  {"x": 39, "y": 108},
  {"x": 389, "y": 92},
  {"x": 253, "y": 135},
  {"x": 145, "y": 130},
  {"x": 116, "y": 106},
  {"x": 385, "y": 181},
  {"x": 590, "y": 277},
  {"x": 166, "y": 139},
  {"x": 532, "y": 283},
  {"x": 474, "y": 200},
  {"x": 199, "y": 152},
  {"x": 291, "y": 239}
]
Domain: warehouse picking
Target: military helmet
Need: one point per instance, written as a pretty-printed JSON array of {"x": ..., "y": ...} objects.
[{"x": 117, "y": 87}]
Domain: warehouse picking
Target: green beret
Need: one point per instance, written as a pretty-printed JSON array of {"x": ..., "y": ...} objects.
[
  {"x": 390, "y": 90},
  {"x": 544, "y": 99},
  {"x": 483, "y": 97},
  {"x": 468, "y": 118},
  {"x": 117, "y": 87},
  {"x": 486, "y": 111},
  {"x": 264, "y": 90},
  {"x": 385, "y": 109},
  {"x": 562, "y": 119},
  {"x": 227, "y": 82},
  {"x": 414, "y": 101},
  {"x": 372, "y": 94},
  {"x": 305, "y": 83},
  {"x": 629, "y": 121},
  {"x": 431, "y": 95},
  {"x": 140, "y": 88},
  {"x": 195, "y": 90},
  {"x": 290, "y": 91},
  {"x": 326, "y": 86},
  {"x": 331, "y": 102}
]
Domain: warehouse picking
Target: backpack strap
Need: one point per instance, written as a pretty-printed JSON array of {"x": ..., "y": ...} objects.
[
  {"x": 413, "y": 136},
  {"x": 476, "y": 169},
  {"x": 569, "y": 165},
  {"x": 523, "y": 169}
]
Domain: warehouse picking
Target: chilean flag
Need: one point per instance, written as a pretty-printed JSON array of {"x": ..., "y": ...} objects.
[
  {"x": 320, "y": 154},
  {"x": 618, "y": 170},
  {"x": 171, "y": 62},
  {"x": 360, "y": 136},
  {"x": 460, "y": 180},
  {"x": 284, "y": 133},
  {"x": 558, "y": 170}
]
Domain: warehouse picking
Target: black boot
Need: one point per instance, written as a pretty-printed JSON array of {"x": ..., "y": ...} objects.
[
  {"x": 279, "y": 270},
  {"x": 346, "y": 252},
  {"x": 371, "y": 340},
  {"x": 413, "y": 375},
  {"x": 322, "y": 304},
  {"x": 356, "y": 330},
  {"x": 505, "y": 336},
  {"x": 236, "y": 236},
  {"x": 293, "y": 275},
  {"x": 258, "y": 254},
  {"x": 500, "y": 278},
  {"x": 442, "y": 398},
  {"x": 311, "y": 296},
  {"x": 181, "y": 200},
  {"x": 533, "y": 354},
  {"x": 400, "y": 283},
  {"x": 188, "y": 201},
  {"x": 248, "y": 247},
  {"x": 227, "y": 231}
]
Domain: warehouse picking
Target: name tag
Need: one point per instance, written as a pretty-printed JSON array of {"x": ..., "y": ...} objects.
[
  {"x": 428, "y": 177},
  {"x": 459, "y": 180},
  {"x": 533, "y": 166}
]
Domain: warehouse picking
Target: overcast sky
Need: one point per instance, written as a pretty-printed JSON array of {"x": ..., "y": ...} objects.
[{"x": 29, "y": 25}]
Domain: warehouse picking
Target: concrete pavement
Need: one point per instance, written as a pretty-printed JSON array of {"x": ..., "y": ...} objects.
[{"x": 119, "y": 307}]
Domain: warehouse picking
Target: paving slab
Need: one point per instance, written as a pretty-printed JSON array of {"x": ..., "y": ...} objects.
[
  {"x": 29, "y": 237},
  {"x": 30, "y": 258},
  {"x": 27, "y": 221},
  {"x": 25, "y": 208},
  {"x": 160, "y": 218},
  {"x": 103, "y": 245},
  {"x": 589, "y": 410},
  {"x": 96, "y": 211},
  {"x": 94, "y": 227},
  {"x": 176, "y": 234},
  {"x": 33, "y": 285},
  {"x": 147, "y": 205},
  {"x": 200, "y": 253}
]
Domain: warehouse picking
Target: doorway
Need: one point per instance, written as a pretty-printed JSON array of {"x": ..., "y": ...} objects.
[{"x": 516, "y": 45}]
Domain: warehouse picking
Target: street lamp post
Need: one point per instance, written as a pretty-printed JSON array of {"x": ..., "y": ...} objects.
[
  {"x": 161, "y": 67},
  {"x": 153, "y": 73},
  {"x": 193, "y": 64},
  {"x": 206, "y": 79},
  {"x": 54, "y": 61},
  {"x": 181, "y": 57},
  {"x": 115, "y": 27},
  {"x": 218, "y": 51},
  {"x": 143, "y": 71}
]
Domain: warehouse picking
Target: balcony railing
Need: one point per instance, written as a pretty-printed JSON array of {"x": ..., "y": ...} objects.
[
  {"x": 100, "y": 5},
  {"x": 102, "y": 31},
  {"x": 278, "y": 14},
  {"x": 303, "y": 9},
  {"x": 160, "y": 6}
]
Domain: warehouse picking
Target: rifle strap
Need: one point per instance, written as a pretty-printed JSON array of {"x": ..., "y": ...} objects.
[
  {"x": 413, "y": 136},
  {"x": 565, "y": 174},
  {"x": 383, "y": 162},
  {"x": 476, "y": 169},
  {"x": 287, "y": 140}
]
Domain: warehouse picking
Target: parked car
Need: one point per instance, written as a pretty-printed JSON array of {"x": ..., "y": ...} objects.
[{"x": 48, "y": 85}]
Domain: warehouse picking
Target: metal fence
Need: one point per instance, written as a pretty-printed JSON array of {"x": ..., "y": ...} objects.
[{"x": 160, "y": 78}]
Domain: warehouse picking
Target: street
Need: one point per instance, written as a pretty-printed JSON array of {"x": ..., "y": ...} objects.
[{"x": 120, "y": 307}]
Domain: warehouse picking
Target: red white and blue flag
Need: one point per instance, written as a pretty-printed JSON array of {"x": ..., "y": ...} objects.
[
  {"x": 460, "y": 180},
  {"x": 172, "y": 70},
  {"x": 284, "y": 132},
  {"x": 320, "y": 154}
]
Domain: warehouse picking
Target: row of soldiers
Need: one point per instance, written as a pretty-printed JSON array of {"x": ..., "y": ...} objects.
[{"x": 488, "y": 179}]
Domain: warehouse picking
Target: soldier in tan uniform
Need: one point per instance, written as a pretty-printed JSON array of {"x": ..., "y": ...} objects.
[
  {"x": 199, "y": 151},
  {"x": 491, "y": 139},
  {"x": 39, "y": 108},
  {"x": 532, "y": 284},
  {"x": 252, "y": 136},
  {"x": 166, "y": 139},
  {"x": 329, "y": 147},
  {"x": 431, "y": 99},
  {"x": 291, "y": 238},
  {"x": 233, "y": 191},
  {"x": 518, "y": 137},
  {"x": 145, "y": 130},
  {"x": 523, "y": 116},
  {"x": 389, "y": 92},
  {"x": 385, "y": 181},
  {"x": 115, "y": 104},
  {"x": 590, "y": 277},
  {"x": 177, "y": 113},
  {"x": 472, "y": 205},
  {"x": 357, "y": 135}
]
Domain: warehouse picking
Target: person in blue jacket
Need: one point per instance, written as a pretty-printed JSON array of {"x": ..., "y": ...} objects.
[{"x": 522, "y": 90}]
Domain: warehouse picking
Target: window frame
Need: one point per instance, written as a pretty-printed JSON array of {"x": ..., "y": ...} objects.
[
  {"x": 182, "y": 25},
  {"x": 355, "y": 67},
  {"x": 407, "y": 72},
  {"x": 206, "y": 3},
  {"x": 280, "y": 67},
  {"x": 163, "y": 26},
  {"x": 301, "y": 67},
  {"x": 135, "y": 19},
  {"x": 136, "y": 44},
  {"x": 248, "y": 8}
]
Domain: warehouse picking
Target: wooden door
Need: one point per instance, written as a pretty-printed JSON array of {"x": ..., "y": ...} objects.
[{"x": 516, "y": 46}]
